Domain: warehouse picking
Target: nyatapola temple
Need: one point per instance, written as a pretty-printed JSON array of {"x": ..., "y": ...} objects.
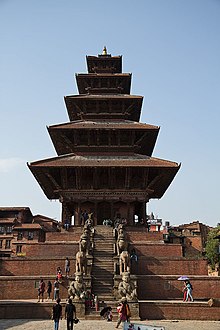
[{"x": 104, "y": 175}]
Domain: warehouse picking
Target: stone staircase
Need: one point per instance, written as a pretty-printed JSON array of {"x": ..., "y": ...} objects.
[{"x": 103, "y": 264}]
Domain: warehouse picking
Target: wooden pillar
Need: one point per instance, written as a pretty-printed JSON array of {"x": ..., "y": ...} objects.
[
  {"x": 129, "y": 214},
  {"x": 66, "y": 215},
  {"x": 77, "y": 214},
  {"x": 95, "y": 215},
  {"x": 112, "y": 215}
]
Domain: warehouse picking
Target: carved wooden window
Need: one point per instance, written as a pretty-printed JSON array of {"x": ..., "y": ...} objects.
[
  {"x": 103, "y": 139},
  {"x": 20, "y": 235},
  {"x": 18, "y": 248},
  {"x": 30, "y": 235},
  {"x": 124, "y": 138},
  {"x": 2, "y": 229},
  {"x": 71, "y": 178},
  {"x": 136, "y": 180},
  {"x": 120, "y": 178},
  {"x": 87, "y": 178},
  {"x": 8, "y": 229},
  {"x": 103, "y": 177},
  {"x": 7, "y": 243},
  {"x": 113, "y": 137},
  {"x": 83, "y": 137},
  {"x": 93, "y": 138}
]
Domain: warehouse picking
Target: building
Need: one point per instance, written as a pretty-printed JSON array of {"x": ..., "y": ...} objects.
[
  {"x": 192, "y": 236},
  {"x": 104, "y": 164},
  {"x": 18, "y": 228}
]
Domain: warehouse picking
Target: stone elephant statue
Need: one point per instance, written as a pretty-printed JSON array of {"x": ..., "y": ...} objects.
[
  {"x": 124, "y": 262},
  {"x": 121, "y": 244},
  {"x": 81, "y": 262},
  {"x": 84, "y": 243}
]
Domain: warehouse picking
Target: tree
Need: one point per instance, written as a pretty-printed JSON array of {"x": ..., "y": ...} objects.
[{"x": 212, "y": 247}]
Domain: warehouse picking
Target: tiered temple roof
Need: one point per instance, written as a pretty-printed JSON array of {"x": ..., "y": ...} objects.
[{"x": 104, "y": 150}]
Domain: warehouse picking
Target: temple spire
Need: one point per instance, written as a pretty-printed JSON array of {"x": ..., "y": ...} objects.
[{"x": 104, "y": 52}]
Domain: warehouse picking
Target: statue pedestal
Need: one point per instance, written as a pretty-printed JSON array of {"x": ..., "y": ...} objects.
[
  {"x": 80, "y": 308},
  {"x": 134, "y": 308}
]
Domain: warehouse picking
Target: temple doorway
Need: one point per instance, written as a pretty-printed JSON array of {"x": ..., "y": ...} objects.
[{"x": 103, "y": 212}]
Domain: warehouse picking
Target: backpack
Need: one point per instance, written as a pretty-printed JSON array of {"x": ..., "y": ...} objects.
[{"x": 128, "y": 312}]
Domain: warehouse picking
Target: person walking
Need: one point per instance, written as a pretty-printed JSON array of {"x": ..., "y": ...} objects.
[
  {"x": 67, "y": 267},
  {"x": 189, "y": 289},
  {"x": 41, "y": 290},
  {"x": 124, "y": 312},
  {"x": 56, "y": 289},
  {"x": 57, "y": 314},
  {"x": 49, "y": 289},
  {"x": 70, "y": 314},
  {"x": 184, "y": 291}
]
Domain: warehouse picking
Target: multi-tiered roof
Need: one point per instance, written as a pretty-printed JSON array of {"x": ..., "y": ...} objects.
[{"x": 104, "y": 154}]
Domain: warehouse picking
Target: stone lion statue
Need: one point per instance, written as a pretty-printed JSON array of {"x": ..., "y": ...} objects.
[
  {"x": 127, "y": 289},
  {"x": 77, "y": 288}
]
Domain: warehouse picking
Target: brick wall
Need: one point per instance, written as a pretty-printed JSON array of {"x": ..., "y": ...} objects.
[
  {"x": 30, "y": 267},
  {"x": 65, "y": 236},
  {"x": 51, "y": 249},
  {"x": 158, "y": 249},
  {"x": 20, "y": 287},
  {"x": 178, "y": 311},
  {"x": 144, "y": 235},
  {"x": 168, "y": 287},
  {"x": 166, "y": 266},
  {"x": 24, "y": 310}
]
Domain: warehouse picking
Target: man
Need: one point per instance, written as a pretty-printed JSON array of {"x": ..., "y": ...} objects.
[
  {"x": 57, "y": 314},
  {"x": 70, "y": 314},
  {"x": 67, "y": 267}
]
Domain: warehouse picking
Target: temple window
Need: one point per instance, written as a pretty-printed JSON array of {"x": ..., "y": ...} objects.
[
  {"x": 19, "y": 249},
  {"x": 1, "y": 243},
  {"x": 103, "y": 139},
  {"x": 8, "y": 229},
  {"x": 7, "y": 243},
  {"x": 113, "y": 137},
  {"x": 2, "y": 229},
  {"x": 20, "y": 235},
  {"x": 124, "y": 138},
  {"x": 30, "y": 235},
  {"x": 83, "y": 137}
]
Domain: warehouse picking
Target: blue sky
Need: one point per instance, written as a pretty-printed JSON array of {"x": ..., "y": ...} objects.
[{"x": 172, "y": 49}]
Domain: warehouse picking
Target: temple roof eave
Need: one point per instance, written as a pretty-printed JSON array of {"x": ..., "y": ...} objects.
[
  {"x": 109, "y": 97},
  {"x": 74, "y": 160},
  {"x": 155, "y": 188},
  {"x": 103, "y": 124}
]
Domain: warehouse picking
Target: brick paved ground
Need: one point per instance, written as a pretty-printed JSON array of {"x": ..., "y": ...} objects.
[{"x": 103, "y": 325}]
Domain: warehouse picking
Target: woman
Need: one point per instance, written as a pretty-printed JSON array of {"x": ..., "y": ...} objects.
[
  {"x": 188, "y": 291},
  {"x": 49, "y": 289},
  {"x": 124, "y": 312}
]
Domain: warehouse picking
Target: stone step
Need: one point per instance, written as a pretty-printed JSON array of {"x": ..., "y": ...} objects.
[
  {"x": 102, "y": 272},
  {"x": 103, "y": 263},
  {"x": 97, "y": 250}
]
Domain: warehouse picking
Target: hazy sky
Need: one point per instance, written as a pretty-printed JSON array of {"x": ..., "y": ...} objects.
[{"x": 172, "y": 48}]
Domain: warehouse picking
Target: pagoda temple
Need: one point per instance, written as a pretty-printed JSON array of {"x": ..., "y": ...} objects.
[{"x": 104, "y": 162}]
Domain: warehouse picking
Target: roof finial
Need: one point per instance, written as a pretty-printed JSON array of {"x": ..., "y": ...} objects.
[{"x": 104, "y": 52}]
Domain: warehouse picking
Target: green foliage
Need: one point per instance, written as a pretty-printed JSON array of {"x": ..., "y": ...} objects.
[{"x": 212, "y": 247}]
